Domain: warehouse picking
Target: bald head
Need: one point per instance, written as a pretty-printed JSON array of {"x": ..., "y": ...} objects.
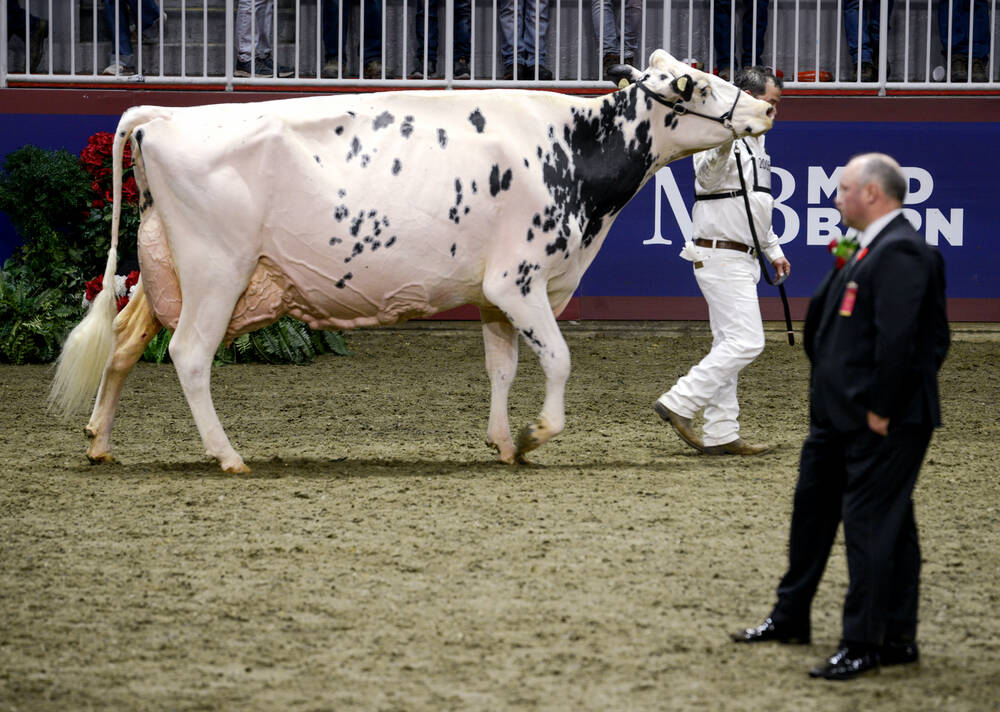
[{"x": 871, "y": 185}]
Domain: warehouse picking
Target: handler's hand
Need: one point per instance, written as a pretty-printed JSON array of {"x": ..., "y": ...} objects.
[
  {"x": 782, "y": 267},
  {"x": 878, "y": 424}
]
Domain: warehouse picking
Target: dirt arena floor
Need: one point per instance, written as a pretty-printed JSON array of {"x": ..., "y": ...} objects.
[{"x": 377, "y": 558}]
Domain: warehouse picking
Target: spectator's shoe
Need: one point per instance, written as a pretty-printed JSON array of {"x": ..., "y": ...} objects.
[
  {"x": 848, "y": 662},
  {"x": 122, "y": 70},
  {"x": 980, "y": 70},
  {"x": 868, "y": 73},
  {"x": 38, "y": 37},
  {"x": 683, "y": 426},
  {"x": 607, "y": 62},
  {"x": 959, "y": 69},
  {"x": 508, "y": 71},
  {"x": 265, "y": 67},
  {"x": 432, "y": 72},
  {"x": 769, "y": 631},
  {"x": 462, "y": 69},
  {"x": 739, "y": 446},
  {"x": 373, "y": 69},
  {"x": 899, "y": 653},
  {"x": 152, "y": 32},
  {"x": 331, "y": 69},
  {"x": 527, "y": 72}
]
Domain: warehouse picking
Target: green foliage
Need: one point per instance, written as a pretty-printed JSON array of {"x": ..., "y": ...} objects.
[
  {"x": 287, "y": 340},
  {"x": 33, "y": 321}
]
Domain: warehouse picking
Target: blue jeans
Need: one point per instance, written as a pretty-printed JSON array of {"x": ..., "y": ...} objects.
[
  {"x": 869, "y": 29},
  {"x": 524, "y": 34},
  {"x": 633, "y": 21},
  {"x": 150, "y": 14},
  {"x": 463, "y": 30},
  {"x": 720, "y": 34},
  {"x": 333, "y": 31},
  {"x": 960, "y": 28},
  {"x": 15, "y": 20}
]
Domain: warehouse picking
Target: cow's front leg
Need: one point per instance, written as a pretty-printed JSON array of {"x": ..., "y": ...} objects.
[
  {"x": 532, "y": 317},
  {"x": 500, "y": 342},
  {"x": 133, "y": 329}
]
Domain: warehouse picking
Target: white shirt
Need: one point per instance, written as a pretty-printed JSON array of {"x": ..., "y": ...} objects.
[
  {"x": 876, "y": 226},
  {"x": 715, "y": 171}
]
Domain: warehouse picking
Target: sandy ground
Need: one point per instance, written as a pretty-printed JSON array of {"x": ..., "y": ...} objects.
[{"x": 379, "y": 559}]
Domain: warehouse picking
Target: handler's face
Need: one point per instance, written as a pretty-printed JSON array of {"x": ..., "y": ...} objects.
[{"x": 850, "y": 199}]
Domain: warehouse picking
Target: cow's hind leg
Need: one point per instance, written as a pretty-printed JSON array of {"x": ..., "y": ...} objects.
[
  {"x": 205, "y": 314},
  {"x": 532, "y": 317},
  {"x": 500, "y": 341},
  {"x": 134, "y": 327}
]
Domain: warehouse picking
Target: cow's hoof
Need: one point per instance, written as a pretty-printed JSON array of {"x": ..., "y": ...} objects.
[
  {"x": 238, "y": 468},
  {"x": 99, "y": 459},
  {"x": 528, "y": 439},
  {"x": 505, "y": 455}
]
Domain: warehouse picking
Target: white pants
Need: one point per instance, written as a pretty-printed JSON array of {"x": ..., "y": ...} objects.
[
  {"x": 246, "y": 43},
  {"x": 728, "y": 280}
]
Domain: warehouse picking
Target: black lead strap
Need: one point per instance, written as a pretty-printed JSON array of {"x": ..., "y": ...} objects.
[{"x": 760, "y": 254}]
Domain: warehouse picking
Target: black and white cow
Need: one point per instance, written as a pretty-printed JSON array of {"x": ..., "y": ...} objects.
[{"x": 348, "y": 211}]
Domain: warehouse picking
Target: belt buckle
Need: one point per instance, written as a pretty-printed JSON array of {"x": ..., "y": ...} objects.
[{"x": 751, "y": 250}]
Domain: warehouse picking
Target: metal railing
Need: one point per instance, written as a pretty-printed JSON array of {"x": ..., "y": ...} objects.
[{"x": 906, "y": 44}]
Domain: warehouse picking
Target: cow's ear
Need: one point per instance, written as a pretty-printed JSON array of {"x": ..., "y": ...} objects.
[
  {"x": 684, "y": 86},
  {"x": 623, "y": 74}
]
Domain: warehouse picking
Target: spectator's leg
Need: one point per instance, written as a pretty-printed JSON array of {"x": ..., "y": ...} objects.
[
  {"x": 373, "y": 31},
  {"x": 508, "y": 32},
  {"x": 124, "y": 43},
  {"x": 605, "y": 27},
  {"x": 463, "y": 30},
  {"x": 851, "y": 15},
  {"x": 529, "y": 43},
  {"x": 244, "y": 42},
  {"x": 721, "y": 34},
  {"x": 980, "y": 29},
  {"x": 15, "y": 19},
  {"x": 263, "y": 20},
  {"x": 331, "y": 30},
  {"x": 754, "y": 26},
  {"x": 633, "y": 26}
]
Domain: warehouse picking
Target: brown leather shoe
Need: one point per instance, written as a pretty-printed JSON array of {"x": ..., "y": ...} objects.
[
  {"x": 739, "y": 446},
  {"x": 682, "y": 425}
]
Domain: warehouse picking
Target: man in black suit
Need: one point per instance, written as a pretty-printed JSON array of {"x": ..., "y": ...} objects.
[{"x": 876, "y": 334}]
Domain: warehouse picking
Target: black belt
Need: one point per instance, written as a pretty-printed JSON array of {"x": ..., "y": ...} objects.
[
  {"x": 724, "y": 244},
  {"x": 730, "y": 194}
]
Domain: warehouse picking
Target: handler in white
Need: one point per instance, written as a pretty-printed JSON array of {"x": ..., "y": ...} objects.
[{"x": 727, "y": 270}]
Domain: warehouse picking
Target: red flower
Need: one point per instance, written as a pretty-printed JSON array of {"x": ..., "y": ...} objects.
[
  {"x": 98, "y": 203},
  {"x": 130, "y": 192},
  {"x": 131, "y": 279},
  {"x": 120, "y": 302},
  {"x": 94, "y": 287}
]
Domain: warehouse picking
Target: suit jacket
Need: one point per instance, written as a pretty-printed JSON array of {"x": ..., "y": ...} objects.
[{"x": 885, "y": 355}]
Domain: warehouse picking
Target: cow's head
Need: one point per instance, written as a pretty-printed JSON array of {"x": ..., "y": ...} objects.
[{"x": 704, "y": 110}]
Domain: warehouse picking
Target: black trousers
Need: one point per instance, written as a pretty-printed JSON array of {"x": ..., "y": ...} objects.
[{"x": 866, "y": 481}]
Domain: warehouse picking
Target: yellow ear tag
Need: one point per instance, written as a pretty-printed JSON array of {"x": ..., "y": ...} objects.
[
  {"x": 622, "y": 83},
  {"x": 682, "y": 83}
]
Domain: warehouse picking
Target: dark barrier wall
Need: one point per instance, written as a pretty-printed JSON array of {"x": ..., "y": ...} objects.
[{"x": 949, "y": 148}]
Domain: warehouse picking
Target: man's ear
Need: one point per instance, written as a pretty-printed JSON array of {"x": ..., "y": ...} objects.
[{"x": 684, "y": 86}]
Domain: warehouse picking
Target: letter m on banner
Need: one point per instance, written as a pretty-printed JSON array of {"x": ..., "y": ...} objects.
[{"x": 666, "y": 185}]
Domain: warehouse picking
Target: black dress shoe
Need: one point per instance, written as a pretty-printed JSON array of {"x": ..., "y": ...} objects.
[
  {"x": 846, "y": 663},
  {"x": 769, "y": 630},
  {"x": 899, "y": 653}
]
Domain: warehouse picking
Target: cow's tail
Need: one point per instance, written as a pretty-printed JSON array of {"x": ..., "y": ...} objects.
[{"x": 88, "y": 347}]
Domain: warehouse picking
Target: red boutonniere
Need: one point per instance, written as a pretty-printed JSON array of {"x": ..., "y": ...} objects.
[{"x": 843, "y": 249}]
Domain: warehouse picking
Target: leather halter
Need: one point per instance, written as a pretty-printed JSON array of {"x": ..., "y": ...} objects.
[{"x": 680, "y": 109}]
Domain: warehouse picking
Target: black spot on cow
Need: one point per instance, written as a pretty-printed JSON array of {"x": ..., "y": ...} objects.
[
  {"x": 372, "y": 213},
  {"x": 475, "y": 188},
  {"x": 526, "y": 164},
  {"x": 339, "y": 130},
  {"x": 478, "y": 120},
  {"x": 138, "y": 138},
  {"x": 529, "y": 336},
  {"x": 453, "y": 247},
  {"x": 443, "y": 138},
  {"x": 396, "y": 166},
  {"x": 537, "y": 220},
  {"x": 147, "y": 200},
  {"x": 340, "y": 212},
  {"x": 607, "y": 155},
  {"x": 458, "y": 191},
  {"x": 523, "y": 280},
  {"x": 351, "y": 114},
  {"x": 341, "y": 193},
  {"x": 335, "y": 240},
  {"x": 358, "y": 249},
  {"x": 355, "y": 148},
  {"x": 317, "y": 158},
  {"x": 531, "y": 235},
  {"x": 376, "y": 244},
  {"x": 391, "y": 241},
  {"x": 343, "y": 280},
  {"x": 382, "y": 120},
  {"x": 122, "y": 134},
  {"x": 406, "y": 128},
  {"x": 356, "y": 225},
  {"x": 466, "y": 211},
  {"x": 498, "y": 182},
  {"x": 453, "y": 215},
  {"x": 365, "y": 159}
]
